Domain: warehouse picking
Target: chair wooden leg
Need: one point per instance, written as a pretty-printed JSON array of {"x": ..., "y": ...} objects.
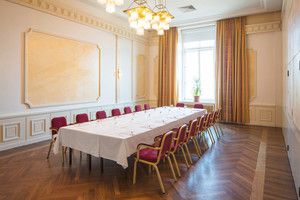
[
  {"x": 220, "y": 128},
  {"x": 49, "y": 149},
  {"x": 172, "y": 169},
  {"x": 184, "y": 156},
  {"x": 134, "y": 171},
  {"x": 188, "y": 152},
  {"x": 211, "y": 135},
  {"x": 204, "y": 141},
  {"x": 159, "y": 179},
  {"x": 201, "y": 136},
  {"x": 176, "y": 164},
  {"x": 149, "y": 167},
  {"x": 197, "y": 150},
  {"x": 216, "y": 131},
  {"x": 197, "y": 147}
]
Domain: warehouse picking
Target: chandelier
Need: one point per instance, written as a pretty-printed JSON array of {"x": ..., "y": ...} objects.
[
  {"x": 162, "y": 18},
  {"x": 142, "y": 17},
  {"x": 111, "y": 4}
]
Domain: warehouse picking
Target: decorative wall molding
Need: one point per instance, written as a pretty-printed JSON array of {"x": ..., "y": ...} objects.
[
  {"x": 262, "y": 28},
  {"x": 14, "y": 134},
  {"x": 43, "y": 87},
  {"x": 12, "y": 131},
  {"x": 79, "y": 16},
  {"x": 263, "y": 115}
]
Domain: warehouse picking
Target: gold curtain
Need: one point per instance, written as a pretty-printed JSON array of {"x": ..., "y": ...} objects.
[
  {"x": 231, "y": 70},
  {"x": 167, "y": 88}
]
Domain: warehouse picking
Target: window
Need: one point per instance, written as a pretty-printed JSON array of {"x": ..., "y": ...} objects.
[{"x": 198, "y": 61}]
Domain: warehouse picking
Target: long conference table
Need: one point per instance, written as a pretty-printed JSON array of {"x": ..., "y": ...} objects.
[{"x": 116, "y": 138}]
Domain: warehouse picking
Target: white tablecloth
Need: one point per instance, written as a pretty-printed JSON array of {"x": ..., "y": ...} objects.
[{"x": 116, "y": 138}]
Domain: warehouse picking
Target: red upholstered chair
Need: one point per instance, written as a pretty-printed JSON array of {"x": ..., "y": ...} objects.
[
  {"x": 56, "y": 124},
  {"x": 115, "y": 112},
  {"x": 218, "y": 119},
  {"x": 200, "y": 106},
  {"x": 152, "y": 155},
  {"x": 207, "y": 127},
  {"x": 201, "y": 121},
  {"x": 192, "y": 135},
  {"x": 80, "y": 118},
  {"x": 137, "y": 108},
  {"x": 180, "y": 105},
  {"x": 213, "y": 123},
  {"x": 101, "y": 115},
  {"x": 147, "y": 106},
  {"x": 127, "y": 110},
  {"x": 177, "y": 143}
]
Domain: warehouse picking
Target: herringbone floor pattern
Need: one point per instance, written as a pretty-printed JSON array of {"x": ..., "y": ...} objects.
[{"x": 225, "y": 171}]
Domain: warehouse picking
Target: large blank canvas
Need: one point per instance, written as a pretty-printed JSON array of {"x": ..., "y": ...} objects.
[{"x": 60, "y": 70}]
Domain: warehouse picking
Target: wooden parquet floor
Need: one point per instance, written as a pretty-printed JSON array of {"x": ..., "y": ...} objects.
[{"x": 247, "y": 162}]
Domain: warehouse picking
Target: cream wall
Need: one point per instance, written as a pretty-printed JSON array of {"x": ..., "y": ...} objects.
[
  {"x": 265, "y": 107},
  {"x": 20, "y": 125},
  {"x": 291, "y": 84}
]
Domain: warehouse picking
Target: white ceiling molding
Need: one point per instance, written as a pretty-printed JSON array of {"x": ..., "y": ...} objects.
[
  {"x": 79, "y": 16},
  {"x": 262, "y": 28}
]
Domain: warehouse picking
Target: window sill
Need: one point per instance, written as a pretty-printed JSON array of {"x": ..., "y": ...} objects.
[{"x": 193, "y": 103}]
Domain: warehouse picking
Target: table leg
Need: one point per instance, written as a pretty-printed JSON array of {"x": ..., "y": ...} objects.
[
  {"x": 70, "y": 155},
  {"x": 90, "y": 161},
  {"x": 101, "y": 160}
]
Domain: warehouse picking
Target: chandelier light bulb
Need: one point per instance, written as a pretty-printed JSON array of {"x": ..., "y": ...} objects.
[
  {"x": 148, "y": 16},
  {"x": 140, "y": 31},
  {"x": 155, "y": 25},
  {"x": 133, "y": 24},
  {"x": 156, "y": 18},
  {"x": 160, "y": 31},
  {"x": 135, "y": 14},
  {"x": 110, "y": 7},
  {"x": 168, "y": 19},
  {"x": 166, "y": 26},
  {"x": 147, "y": 25},
  {"x": 141, "y": 22},
  {"x": 119, "y": 2}
]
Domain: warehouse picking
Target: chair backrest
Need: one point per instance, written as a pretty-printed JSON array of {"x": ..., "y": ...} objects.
[
  {"x": 80, "y": 118},
  {"x": 180, "y": 135},
  {"x": 180, "y": 105},
  {"x": 101, "y": 115},
  {"x": 214, "y": 117},
  {"x": 207, "y": 121},
  {"x": 201, "y": 123},
  {"x": 219, "y": 114},
  {"x": 192, "y": 128},
  {"x": 127, "y": 110},
  {"x": 166, "y": 142},
  {"x": 57, "y": 123},
  {"x": 200, "y": 106},
  {"x": 115, "y": 112},
  {"x": 137, "y": 108},
  {"x": 146, "y": 106}
]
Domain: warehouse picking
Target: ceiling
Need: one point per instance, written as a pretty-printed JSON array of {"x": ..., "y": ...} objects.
[{"x": 206, "y": 10}]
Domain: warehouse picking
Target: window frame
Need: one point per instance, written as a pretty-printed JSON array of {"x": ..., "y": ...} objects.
[{"x": 198, "y": 49}]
